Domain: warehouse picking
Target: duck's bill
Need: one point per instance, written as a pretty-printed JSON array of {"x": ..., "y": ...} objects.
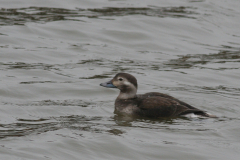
[{"x": 108, "y": 85}]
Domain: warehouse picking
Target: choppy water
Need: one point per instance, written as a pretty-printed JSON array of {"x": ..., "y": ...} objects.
[{"x": 54, "y": 54}]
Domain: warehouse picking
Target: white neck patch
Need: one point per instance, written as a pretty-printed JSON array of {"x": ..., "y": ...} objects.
[{"x": 127, "y": 95}]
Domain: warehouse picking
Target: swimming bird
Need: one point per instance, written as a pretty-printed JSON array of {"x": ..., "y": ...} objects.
[{"x": 152, "y": 104}]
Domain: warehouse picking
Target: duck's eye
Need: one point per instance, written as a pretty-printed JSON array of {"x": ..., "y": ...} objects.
[{"x": 120, "y": 79}]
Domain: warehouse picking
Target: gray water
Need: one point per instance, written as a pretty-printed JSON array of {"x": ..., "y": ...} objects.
[{"x": 54, "y": 55}]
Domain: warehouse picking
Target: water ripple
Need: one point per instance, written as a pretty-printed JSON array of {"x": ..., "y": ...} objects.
[
  {"x": 220, "y": 90},
  {"x": 20, "y": 16},
  {"x": 112, "y": 125},
  {"x": 68, "y": 102},
  {"x": 223, "y": 56}
]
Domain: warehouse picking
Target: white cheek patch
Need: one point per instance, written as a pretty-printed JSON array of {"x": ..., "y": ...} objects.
[
  {"x": 131, "y": 91},
  {"x": 127, "y": 83}
]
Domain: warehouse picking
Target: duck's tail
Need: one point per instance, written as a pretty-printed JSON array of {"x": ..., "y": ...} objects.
[{"x": 192, "y": 113}]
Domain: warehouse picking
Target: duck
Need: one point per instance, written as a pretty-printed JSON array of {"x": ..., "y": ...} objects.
[{"x": 152, "y": 104}]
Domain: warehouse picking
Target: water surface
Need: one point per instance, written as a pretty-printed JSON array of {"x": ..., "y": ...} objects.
[{"x": 54, "y": 55}]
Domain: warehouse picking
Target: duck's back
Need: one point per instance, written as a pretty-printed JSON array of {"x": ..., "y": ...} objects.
[
  {"x": 157, "y": 94},
  {"x": 154, "y": 104}
]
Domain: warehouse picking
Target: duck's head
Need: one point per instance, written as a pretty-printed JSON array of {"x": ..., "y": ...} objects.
[{"x": 126, "y": 83}]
